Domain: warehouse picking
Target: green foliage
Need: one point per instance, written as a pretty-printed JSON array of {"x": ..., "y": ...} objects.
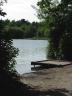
[
  {"x": 23, "y": 29},
  {"x": 7, "y": 51},
  {"x": 15, "y": 32},
  {"x": 7, "y": 55},
  {"x": 58, "y": 16},
  {"x": 1, "y": 10}
]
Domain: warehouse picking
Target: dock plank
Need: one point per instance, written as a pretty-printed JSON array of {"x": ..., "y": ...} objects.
[{"x": 51, "y": 63}]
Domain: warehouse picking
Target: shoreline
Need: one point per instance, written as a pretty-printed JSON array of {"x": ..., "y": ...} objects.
[
  {"x": 30, "y": 39},
  {"x": 49, "y": 79}
]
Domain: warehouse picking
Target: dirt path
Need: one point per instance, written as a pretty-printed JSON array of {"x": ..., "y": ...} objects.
[{"x": 50, "y": 79}]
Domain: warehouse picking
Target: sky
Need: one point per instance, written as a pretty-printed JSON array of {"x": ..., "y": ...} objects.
[{"x": 20, "y": 9}]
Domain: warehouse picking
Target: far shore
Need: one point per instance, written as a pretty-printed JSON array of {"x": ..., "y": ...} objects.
[{"x": 30, "y": 38}]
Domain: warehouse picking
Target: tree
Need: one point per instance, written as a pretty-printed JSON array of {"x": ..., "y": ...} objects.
[
  {"x": 1, "y": 10},
  {"x": 7, "y": 51},
  {"x": 16, "y": 32},
  {"x": 58, "y": 16}
]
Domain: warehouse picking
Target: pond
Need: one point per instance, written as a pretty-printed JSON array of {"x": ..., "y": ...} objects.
[{"x": 29, "y": 50}]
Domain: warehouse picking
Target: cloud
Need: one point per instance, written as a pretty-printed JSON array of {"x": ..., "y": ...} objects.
[{"x": 19, "y": 9}]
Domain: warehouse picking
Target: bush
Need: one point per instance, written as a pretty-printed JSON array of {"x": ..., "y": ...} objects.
[{"x": 7, "y": 52}]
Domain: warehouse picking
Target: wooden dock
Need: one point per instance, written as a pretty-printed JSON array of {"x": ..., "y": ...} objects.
[{"x": 51, "y": 63}]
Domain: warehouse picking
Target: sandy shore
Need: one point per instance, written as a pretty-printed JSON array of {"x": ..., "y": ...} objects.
[{"x": 50, "y": 79}]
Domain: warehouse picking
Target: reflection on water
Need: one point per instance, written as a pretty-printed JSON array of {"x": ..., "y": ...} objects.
[{"x": 29, "y": 50}]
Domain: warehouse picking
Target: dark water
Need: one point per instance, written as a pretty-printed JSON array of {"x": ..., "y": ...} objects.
[{"x": 29, "y": 50}]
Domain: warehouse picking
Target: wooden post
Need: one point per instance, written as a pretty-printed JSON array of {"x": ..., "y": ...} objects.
[{"x": 34, "y": 65}]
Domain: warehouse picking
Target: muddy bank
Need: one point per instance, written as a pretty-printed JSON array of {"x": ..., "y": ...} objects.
[{"x": 53, "y": 79}]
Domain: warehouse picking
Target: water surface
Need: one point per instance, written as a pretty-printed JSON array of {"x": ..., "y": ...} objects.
[{"x": 29, "y": 50}]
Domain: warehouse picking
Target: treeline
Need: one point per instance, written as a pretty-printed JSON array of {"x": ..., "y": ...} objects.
[
  {"x": 58, "y": 17},
  {"x": 24, "y": 29}
]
